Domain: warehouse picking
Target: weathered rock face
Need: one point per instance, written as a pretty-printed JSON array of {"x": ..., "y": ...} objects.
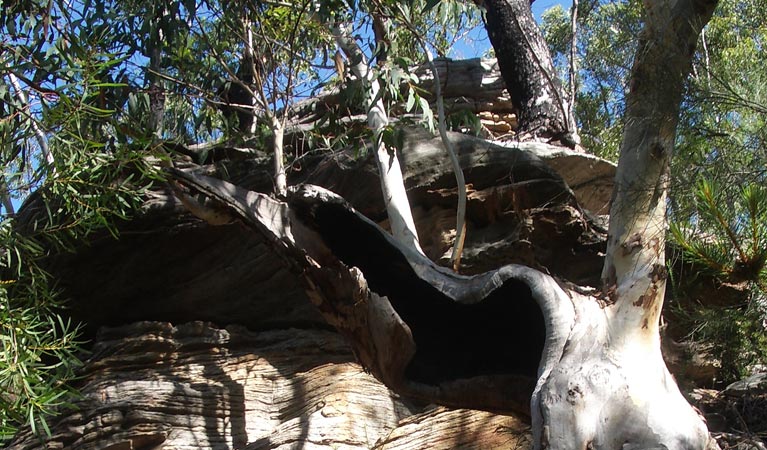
[
  {"x": 150, "y": 385},
  {"x": 468, "y": 85},
  {"x": 172, "y": 267},
  {"x": 179, "y": 269},
  {"x": 271, "y": 373},
  {"x": 526, "y": 201}
]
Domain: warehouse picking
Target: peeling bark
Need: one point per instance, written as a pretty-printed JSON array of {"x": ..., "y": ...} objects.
[{"x": 612, "y": 389}]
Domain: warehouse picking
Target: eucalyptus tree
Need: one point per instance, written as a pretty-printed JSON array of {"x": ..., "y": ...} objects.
[
  {"x": 611, "y": 365},
  {"x": 719, "y": 156},
  {"x": 601, "y": 382},
  {"x": 279, "y": 46}
]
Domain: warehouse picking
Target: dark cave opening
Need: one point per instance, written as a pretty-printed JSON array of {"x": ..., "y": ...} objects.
[{"x": 504, "y": 333}]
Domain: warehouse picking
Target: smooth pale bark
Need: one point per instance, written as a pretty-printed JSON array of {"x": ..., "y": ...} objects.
[
  {"x": 39, "y": 135},
  {"x": 275, "y": 125},
  {"x": 634, "y": 273},
  {"x": 249, "y": 60},
  {"x": 392, "y": 185},
  {"x": 611, "y": 389},
  {"x": 528, "y": 70},
  {"x": 460, "y": 181},
  {"x": 280, "y": 179}
]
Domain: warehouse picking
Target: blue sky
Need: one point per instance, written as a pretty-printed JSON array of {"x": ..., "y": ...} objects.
[
  {"x": 477, "y": 42},
  {"x": 539, "y": 6}
]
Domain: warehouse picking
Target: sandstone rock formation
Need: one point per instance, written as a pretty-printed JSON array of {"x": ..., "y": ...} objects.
[
  {"x": 209, "y": 339},
  {"x": 152, "y": 385}
]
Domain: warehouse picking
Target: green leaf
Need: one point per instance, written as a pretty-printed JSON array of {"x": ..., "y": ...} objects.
[{"x": 411, "y": 98}]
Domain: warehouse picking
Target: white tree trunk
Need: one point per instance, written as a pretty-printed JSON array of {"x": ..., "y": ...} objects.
[
  {"x": 5, "y": 196},
  {"x": 611, "y": 388},
  {"x": 258, "y": 99},
  {"x": 280, "y": 179},
  {"x": 392, "y": 184},
  {"x": 573, "y": 73},
  {"x": 460, "y": 181},
  {"x": 39, "y": 135},
  {"x": 606, "y": 394}
]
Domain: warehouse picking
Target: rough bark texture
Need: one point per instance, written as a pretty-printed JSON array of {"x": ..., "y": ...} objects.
[{"x": 525, "y": 62}]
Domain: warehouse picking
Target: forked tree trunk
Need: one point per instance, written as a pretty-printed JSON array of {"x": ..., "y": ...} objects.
[{"x": 611, "y": 388}]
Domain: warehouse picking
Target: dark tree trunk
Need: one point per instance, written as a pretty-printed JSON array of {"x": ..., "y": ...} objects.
[
  {"x": 528, "y": 71},
  {"x": 155, "y": 88}
]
